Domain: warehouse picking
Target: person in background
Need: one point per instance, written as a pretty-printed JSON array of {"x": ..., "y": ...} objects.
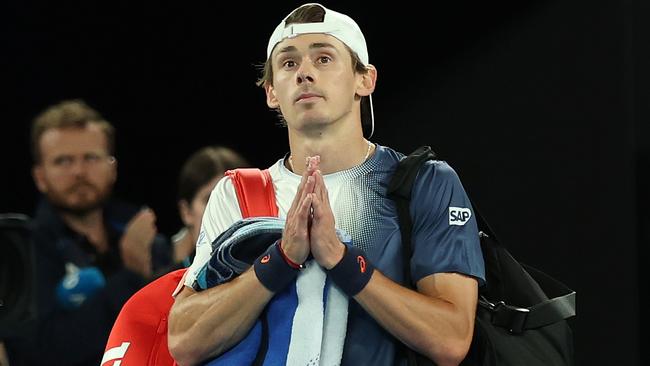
[
  {"x": 198, "y": 176},
  {"x": 92, "y": 250}
]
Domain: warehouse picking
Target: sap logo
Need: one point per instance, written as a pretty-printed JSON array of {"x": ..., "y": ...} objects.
[
  {"x": 459, "y": 215},
  {"x": 115, "y": 354}
]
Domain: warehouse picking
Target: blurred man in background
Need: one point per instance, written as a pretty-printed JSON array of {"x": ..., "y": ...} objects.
[{"x": 92, "y": 251}]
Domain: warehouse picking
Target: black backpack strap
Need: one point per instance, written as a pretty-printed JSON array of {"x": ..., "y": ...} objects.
[
  {"x": 517, "y": 319},
  {"x": 561, "y": 305},
  {"x": 399, "y": 189},
  {"x": 407, "y": 169}
]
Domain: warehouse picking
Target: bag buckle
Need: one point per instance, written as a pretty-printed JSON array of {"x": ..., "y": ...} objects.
[{"x": 507, "y": 316}]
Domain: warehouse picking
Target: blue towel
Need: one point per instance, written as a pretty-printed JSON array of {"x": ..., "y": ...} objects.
[{"x": 307, "y": 321}]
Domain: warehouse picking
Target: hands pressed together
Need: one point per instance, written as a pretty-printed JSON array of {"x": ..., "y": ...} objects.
[{"x": 309, "y": 226}]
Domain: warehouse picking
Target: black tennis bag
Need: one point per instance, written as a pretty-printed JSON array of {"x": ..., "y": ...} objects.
[{"x": 521, "y": 313}]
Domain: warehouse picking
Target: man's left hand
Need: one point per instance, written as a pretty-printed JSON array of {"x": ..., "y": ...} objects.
[{"x": 326, "y": 247}]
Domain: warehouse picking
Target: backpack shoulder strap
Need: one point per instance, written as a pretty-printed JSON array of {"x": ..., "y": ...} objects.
[
  {"x": 255, "y": 193},
  {"x": 256, "y": 197},
  {"x": 399, "y": 190},
  {"x": 407, "y": 169}
]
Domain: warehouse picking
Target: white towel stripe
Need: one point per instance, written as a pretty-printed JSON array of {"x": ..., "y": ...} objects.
[{"x": 307, "y": 330}]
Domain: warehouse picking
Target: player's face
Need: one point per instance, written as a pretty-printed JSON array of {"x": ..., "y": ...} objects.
[{"x": 313, "y": 81}]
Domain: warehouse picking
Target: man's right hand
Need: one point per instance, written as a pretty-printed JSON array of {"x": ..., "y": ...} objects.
[
  {"x": 295, "y": 237},
  {"x": 135, "y": 244}
]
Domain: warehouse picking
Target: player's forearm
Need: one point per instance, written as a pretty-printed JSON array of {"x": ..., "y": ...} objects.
[
  {"x": 432, "y": 326},
  {"x": 207, "y": 323}
]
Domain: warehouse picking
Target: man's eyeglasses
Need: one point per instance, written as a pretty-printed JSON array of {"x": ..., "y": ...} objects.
[{"x": 66, "y": 162}]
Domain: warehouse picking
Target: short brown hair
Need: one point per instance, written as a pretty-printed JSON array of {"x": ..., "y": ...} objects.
[
  {"x": 203, "y": 165},
  {"x": 74, "y": 113}
]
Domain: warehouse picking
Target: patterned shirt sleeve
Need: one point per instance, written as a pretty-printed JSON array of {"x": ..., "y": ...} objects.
[{"x": 445, "y": 234}]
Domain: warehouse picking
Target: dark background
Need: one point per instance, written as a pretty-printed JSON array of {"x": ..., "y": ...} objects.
[{"x": 541, "y": 107}]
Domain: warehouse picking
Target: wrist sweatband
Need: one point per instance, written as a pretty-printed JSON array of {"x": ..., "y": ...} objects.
[
  {"x": 353, "y": 272},
  {"x": 272, "y": 270},
  {"x": 291, "y": 263}
]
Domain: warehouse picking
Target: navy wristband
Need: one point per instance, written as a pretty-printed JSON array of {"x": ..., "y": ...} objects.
[
  {"x": 353, "y": 272},
  {"x": 272, "y": 270}
]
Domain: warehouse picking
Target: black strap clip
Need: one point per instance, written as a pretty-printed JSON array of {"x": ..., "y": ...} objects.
[{"x": 506, "y": 316}]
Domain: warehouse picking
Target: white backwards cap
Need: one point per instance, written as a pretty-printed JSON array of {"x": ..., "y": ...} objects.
[
  {"x": 338, "y": 25},
  {"x": 335, "y": 24}
]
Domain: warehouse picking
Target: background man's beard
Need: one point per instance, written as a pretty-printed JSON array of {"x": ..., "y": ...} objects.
[{"x": 83, "y": 208}]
